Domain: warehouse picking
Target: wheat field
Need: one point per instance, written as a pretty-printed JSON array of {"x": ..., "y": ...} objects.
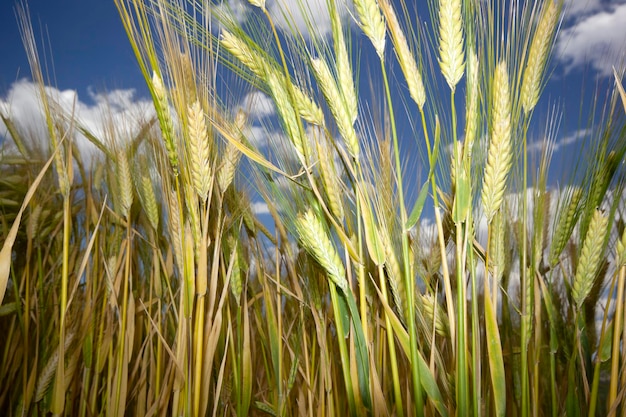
[{"x": 438, "y": 272}]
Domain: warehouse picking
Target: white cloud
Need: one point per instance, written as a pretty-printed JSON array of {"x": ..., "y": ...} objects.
[
  {"x": 575, "y": 8},
  {"x": 115, "y": 115},
  {"x": 597, "y": 36},
  {"x": 309, "y": 17},
  {"x": 260, "y": 207},
  {"x": 570, "y": 139},
  {"x": 257, "y": 105}
]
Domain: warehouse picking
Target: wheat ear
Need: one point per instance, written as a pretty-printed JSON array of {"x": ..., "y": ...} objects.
[
  {"x": 287, "y": 113},
  {"x": 315, "y": 240},
  {"x": 372, "y": 23},
  {"x": 330, "y": 179},
  {"x": 590, "y": 258},
  {"x": 472, "y": 103},
  {"x": 165, "y": 120},
  {"x": 451, "y": 58},
  {"x": 565, "y": 226},
  {"x": 246, "y": 55},
  {"x": 621, "y": 251},
  {"x": 538, "y": 55},
  {"x": 499, "y": 158},
  {"x": 198, "y": 150},
  {"x": 406, "y": 59},
  {"x": 344, "y": 67},
  {"x": 149, "y": 201},
  {"x": 336, "y": 103},
  {"x": 125, "y": 182},
  {"x": 232, "y": 156}
]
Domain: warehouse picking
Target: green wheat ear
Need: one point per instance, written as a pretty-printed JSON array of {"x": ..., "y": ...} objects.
[
  {"x": 500, "y": 154},
  {"x": 316, "y": 241},
  {"x": 590, "y": 258}
]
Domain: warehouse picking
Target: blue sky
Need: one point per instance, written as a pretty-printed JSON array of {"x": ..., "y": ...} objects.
[
  {"x": 88, "y": 44},
  {"x": 94, "y": 64}
]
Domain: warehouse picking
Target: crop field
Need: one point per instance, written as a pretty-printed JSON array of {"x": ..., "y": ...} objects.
[{"x": 382, "y": 241}]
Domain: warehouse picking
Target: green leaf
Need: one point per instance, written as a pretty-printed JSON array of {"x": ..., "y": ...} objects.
[
  {"x": 496, "y": 363},
  {"x": 362, "y": 357}
]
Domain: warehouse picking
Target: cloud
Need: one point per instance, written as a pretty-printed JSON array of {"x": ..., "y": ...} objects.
[
  {"x": 570, "y": 139},
  {"x": 596, "y": 36},
  {"x": 114, "y": 116},
  {"x": 260, "y": 207},
  {"x": 258, "y": 105},
  {"x": 311, "y": 18}
]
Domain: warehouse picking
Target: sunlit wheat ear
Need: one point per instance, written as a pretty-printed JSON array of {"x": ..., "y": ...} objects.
[
  {"x": 372, "y": 24},
  {"x": 149, "y": 201},
  {"x": 198, "y": 150},
  {"x": 499, "y": 158},
  {"x": 258, "y": 3},
  {"x": 246, "y": 55},
  {"x": 315, "y": 240},
  {"x": 165, "y": 120},
  {"x": 308, "y": 109},
  {"x": 590, "y": 258},
  {"x": 538, "y": 54},
  {"x": 330, "y": 179},
  {"x": 227, "y": 169},
  {"x": 344, "y": 67},
  {"x": 406, "y": 59},
  {"x": 451, "y": 58},
  {"x": 336, "y": 104},
  {"x": 620, "y": 259},
  {"x": 565, "y": 226},
  {"x": 287, "y": 113},
  {"x": 472, "y": 102},
  {"x": 125, "y": 183}
]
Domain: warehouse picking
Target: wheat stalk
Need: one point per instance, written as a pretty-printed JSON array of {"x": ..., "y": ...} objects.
[
  {"x": 451, "y": 58},
  {"x": 315, "y": 240},
  {"x": 538, "y": 55},
  {"x": 590, "y": 258},
  {"x": 499, "y": 158},
  {"x": 472, "y": 115}
]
